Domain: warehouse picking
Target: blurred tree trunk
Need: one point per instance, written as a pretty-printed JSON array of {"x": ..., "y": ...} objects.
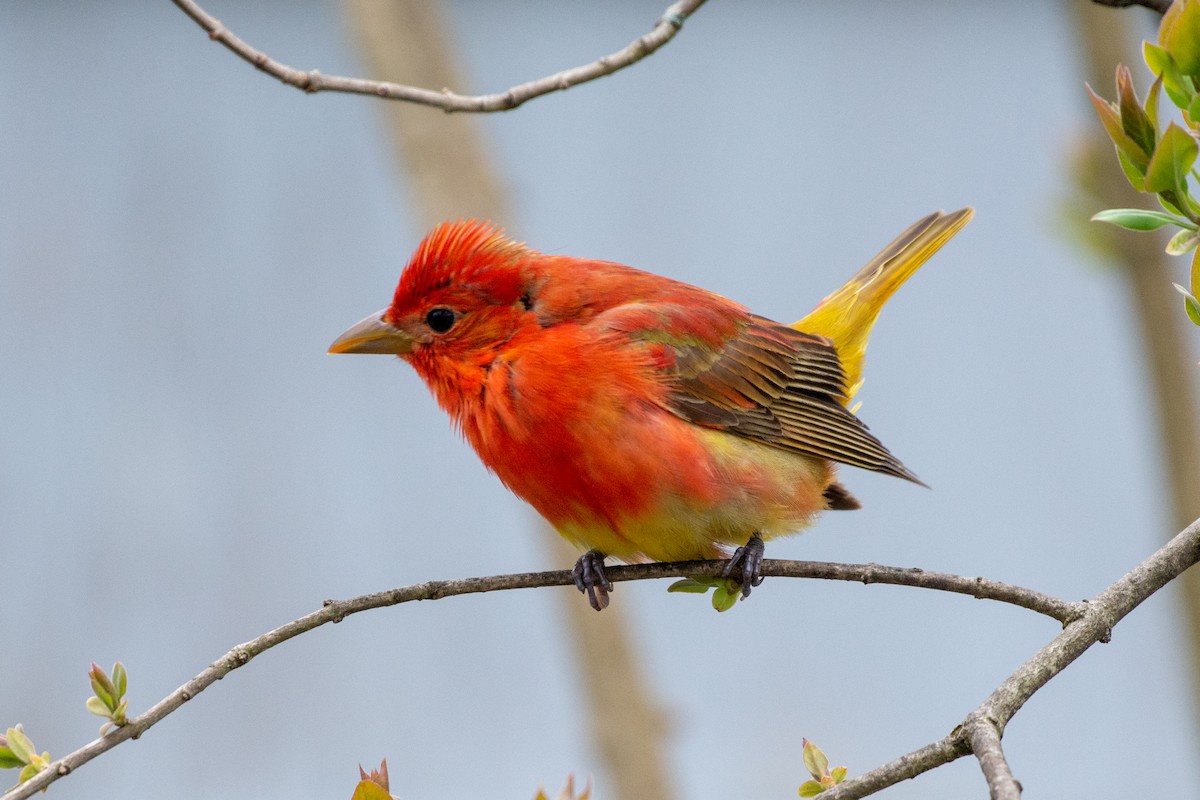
[
  {"x": 442, "y": 158},
  {"x": 1107, "y": 39}
]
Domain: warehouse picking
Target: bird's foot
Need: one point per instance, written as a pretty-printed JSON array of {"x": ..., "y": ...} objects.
[
  {"x": 589, "y": 577},
  {"x": 747, "y": 560}
]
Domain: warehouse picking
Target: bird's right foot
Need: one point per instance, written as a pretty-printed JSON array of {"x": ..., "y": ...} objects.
[
  {"x": 589, "y": 577},
  {"x": 747, "y": 560}
]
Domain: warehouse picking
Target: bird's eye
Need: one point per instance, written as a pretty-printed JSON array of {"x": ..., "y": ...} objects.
[{"x": 440, "y": 320}]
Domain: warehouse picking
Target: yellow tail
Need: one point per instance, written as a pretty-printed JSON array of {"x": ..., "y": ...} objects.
[{"x": 846, "y": 316}]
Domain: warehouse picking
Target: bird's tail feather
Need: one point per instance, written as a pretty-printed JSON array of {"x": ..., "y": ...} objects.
[{"x": 846, "y": 316}]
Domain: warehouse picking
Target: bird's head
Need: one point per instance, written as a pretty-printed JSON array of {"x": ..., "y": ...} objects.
[{"x": 465, "y": 292}]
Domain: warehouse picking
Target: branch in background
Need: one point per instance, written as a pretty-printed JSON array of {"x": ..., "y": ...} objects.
[
  {"x": 1102, "y": 612},
  {"x": 312, "y": 81},
  {"x": 619, "y": 706},
  {"x": 1160, "y": 6},
  {"x": 336, "y": 611}
]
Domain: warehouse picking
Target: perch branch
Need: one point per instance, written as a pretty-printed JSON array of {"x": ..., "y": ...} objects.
[{"x": 337, "y": 610}]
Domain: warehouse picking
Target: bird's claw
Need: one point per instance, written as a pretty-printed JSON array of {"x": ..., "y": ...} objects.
[
  {"x": 589, "y": 577},
  {"x": 747, "y": 560}
]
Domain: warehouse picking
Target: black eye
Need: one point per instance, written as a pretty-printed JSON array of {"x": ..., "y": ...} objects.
[{"x": 440, "y": 319}]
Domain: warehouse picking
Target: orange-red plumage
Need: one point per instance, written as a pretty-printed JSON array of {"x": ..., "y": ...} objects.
[{"x": 644, "y": 418}]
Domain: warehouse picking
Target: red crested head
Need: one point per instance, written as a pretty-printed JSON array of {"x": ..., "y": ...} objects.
[
  {"x": 462, "y": 296},
  {"x": 463, "y": 258}
]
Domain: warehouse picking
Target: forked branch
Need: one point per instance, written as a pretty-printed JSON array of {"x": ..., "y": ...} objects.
[{"x": 980, "y": 732}]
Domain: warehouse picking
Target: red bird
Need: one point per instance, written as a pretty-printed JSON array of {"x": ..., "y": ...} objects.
[{"x": 644, "y": 418}]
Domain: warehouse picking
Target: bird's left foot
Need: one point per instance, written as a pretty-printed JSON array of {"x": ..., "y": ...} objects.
[
  {"x": 747, "y": 560},
  {"x": 589, "y": 577}
]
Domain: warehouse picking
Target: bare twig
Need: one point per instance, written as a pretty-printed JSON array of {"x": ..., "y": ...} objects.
[
  {"x": 336, "y": 611},
  {"x": 312, "y": 81},
  {"x": 1160, "y": 6},
  {"x": 1095, "y": 625}
]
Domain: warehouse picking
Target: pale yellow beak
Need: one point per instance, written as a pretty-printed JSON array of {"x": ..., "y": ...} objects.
[{"x": 373, "y": 335}]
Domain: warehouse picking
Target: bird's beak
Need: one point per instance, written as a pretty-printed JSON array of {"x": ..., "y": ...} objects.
[{"x": 373, "y": 335}]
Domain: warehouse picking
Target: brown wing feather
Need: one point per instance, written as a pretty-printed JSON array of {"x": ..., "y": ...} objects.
[{"x": 776, "y": 385}]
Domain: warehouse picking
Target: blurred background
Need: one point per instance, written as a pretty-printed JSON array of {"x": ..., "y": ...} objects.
[{"x": 183, "y": 468}]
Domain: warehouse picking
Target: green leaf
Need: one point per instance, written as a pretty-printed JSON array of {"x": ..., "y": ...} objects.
[
  {"x": 1196, "y": 273},
  {"x": 1190, "y": 304},
  {"x": 811, "y": 789},
  {"x": 1168, "y": 206},
  {"x": 838, "y": 774},
  {"x": 1111, "y": 120},
  {"x": 1171, "y": 162},
  {"x": 814, "y": 760},
  {"x": 1152, "y": 102},
  {"x": 1180, "y": 35},
  {"x": 98, "y": 707},
  {"x": 1155, "y": 57},
  {"x": 101, "y": 696},
  {"x": 27, "y": 773},
  {"x": 689, "y": 585},
  {"x": 8, "y": 759},
  {"x": 102, "y": 685},
  {"x": 1139, "y": 219},
  {"x": 1135, "y": 176},
  {"x": 20, "y": 745},
  {"x": 1183, "y": 242},
  {"x": 723, "y": 599},
  {"x": 1193, "y": 110},
  {"x": 120, "y": 679},
  {"x": 1134, "y": 120},
  {"x": 1161, "y": 63}
]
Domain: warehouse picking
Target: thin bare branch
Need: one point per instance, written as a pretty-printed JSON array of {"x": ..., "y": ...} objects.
[
  {"x": 312, "y": 81},
  {"x": 1095, "y": 625},
  {"x": 336, "y": 611}
]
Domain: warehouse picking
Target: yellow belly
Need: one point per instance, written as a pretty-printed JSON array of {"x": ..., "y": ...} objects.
[{"x": 753, "y": 488}]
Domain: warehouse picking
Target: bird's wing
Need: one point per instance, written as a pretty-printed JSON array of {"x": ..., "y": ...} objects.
[{"x": 759, "y": 379}]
